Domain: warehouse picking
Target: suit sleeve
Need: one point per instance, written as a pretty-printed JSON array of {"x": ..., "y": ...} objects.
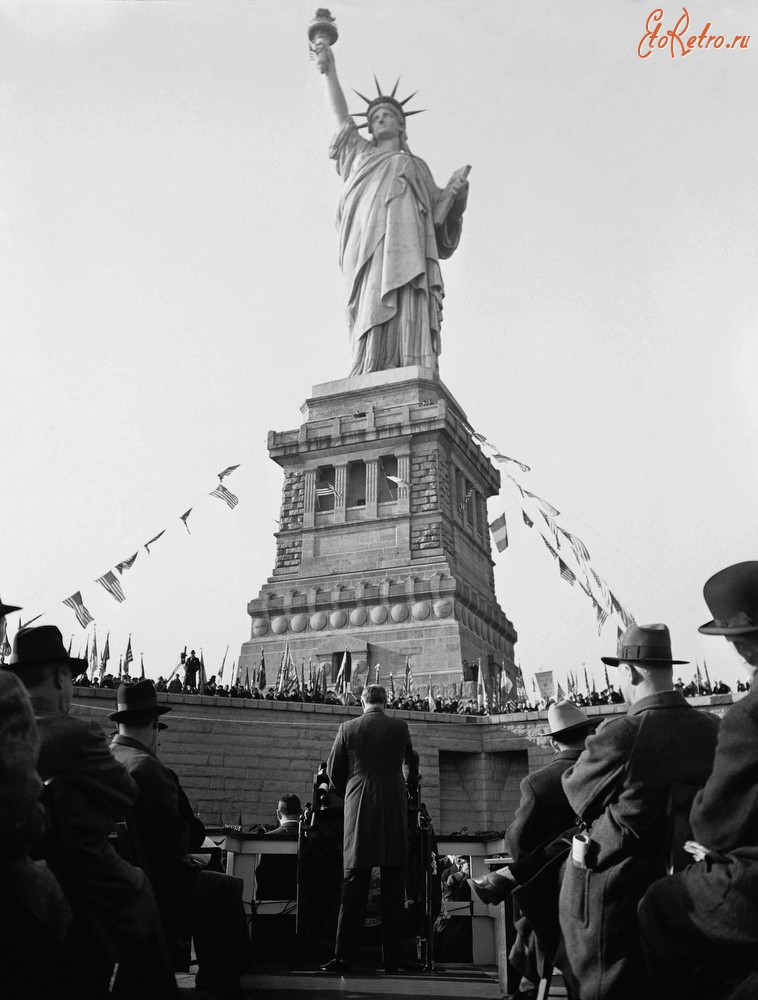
[
  {"x": 594, "y": 781},
  {"x": 518, "y": 833},
  {"x": 338, "y": 765},
  {"x": 725, "y": 813},
  {"x": 166, "y": 833}
]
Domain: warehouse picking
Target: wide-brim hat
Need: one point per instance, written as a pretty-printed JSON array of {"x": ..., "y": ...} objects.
[
  {"x": 134, "y": 698},
  {"x": 5, "y": 609},
  {"x": 647, "y": 645},
  {"x": 732, "y": 598},
  {"x": 34, "y": 647},
  {"x": 565, "y": 718}
]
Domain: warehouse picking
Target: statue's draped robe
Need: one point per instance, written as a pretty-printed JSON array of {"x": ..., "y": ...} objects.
[{"x": 392, "y": 233}]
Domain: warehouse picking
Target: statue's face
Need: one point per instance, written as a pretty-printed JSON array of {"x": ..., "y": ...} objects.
[{"x": 385, "y": 122}]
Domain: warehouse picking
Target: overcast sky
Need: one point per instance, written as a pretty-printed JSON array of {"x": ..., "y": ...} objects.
[{"x": 169, "y": 293}]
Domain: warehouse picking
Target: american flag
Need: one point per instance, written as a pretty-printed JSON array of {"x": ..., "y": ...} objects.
[
  {"x": 549, "y": 547},
  {"x": 504, "y": 458},
  {"x": 223, "y": 494},
  {"x": 82, "y": 615},
  {"x": 128, "y": 657},
  {"x": 106, "y": 655},
  {"x": 566, "y": 572},
  {"x": 227, "y": 472},
  {"x": 327, "y": 491},
  {"x": 602, "y": 617},
  {"x": 627, "y": 618},
  {"x": 111, "y": 584},
  {"x": 184, "y": 518},
  {"x": 127, "y": 563},
  {"x": 580, "y": 549},
  {"x": 548, "y": 506}
]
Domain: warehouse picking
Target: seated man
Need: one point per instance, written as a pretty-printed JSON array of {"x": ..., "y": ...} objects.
[
  {"x": 619, "y": 790},
  {"x": 708, "y": 913},
  {"x": 276, "y": 878},
  {"x": 209, "y": 903},
  {"x": 108, "y": 896}
]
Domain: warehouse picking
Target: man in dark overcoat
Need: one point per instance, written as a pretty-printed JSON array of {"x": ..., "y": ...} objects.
[
  {"x": 708, "y": 913},
  {"x": 109, "y": 897},
  {"x": 366, "y": 766},
  {"x": 208, "y": 903},
  {"x": 543, "y": 815},
  {"x": 619, "y": 790}
]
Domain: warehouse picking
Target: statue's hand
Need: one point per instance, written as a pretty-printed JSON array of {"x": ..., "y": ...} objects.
[
  {"x": 322, "y": 53},
  {"x": 458, "y": 187}
]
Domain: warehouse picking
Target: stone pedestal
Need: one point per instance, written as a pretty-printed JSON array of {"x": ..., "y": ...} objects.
[{"x": 383, "y": 549}]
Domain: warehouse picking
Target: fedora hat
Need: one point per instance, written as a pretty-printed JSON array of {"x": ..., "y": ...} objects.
[
  {"x": 139, "y": 697},
  {"x": 33, "y": 647},
  {"x": 648, "y": 645},
  {"x": 565, "y": 717},
  {"x": 5, "y": 609},
  {"x": 732, "y": 599}
]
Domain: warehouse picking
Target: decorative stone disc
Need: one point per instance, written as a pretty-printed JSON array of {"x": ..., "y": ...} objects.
[
  {"x": 260, "y": 626},
  {"x": 421, "y": 610},
  {"x": 358, "y": 616},
  {"x": 279, "y": 625},
  {"x": 337, "y": 619},
  {"x": 443, "y": 608},
  {"x": 378, "y": 615},
  {"x": 399, "y": 612},
  {"x": 298, "y": 623},
  {"x": 318, "y": 621}
]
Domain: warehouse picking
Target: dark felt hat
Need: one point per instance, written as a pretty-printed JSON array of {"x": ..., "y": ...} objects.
[
  {"x": 139, "y": 697},
  {"x": 5, "y": 609},
  {"x": 565, "y": 718},
  {"x": 732, "y": 598},
  {"x": 648, "y": 645},
  {"x": 34, "y": 647}
]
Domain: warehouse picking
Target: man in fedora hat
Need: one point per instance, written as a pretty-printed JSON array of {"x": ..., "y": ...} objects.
[
  {"x": 207, "y": 903},
  {"x": 533, "y": 838},
  {"x": 112, "y": 902},
  {"x": 708, "y": 913},
  {"x": 619, "y": 790}
]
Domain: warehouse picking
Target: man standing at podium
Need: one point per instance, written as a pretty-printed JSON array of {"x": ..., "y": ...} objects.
[{"x": 366, "y": 766}]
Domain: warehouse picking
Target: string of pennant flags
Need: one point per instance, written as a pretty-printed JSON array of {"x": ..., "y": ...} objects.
[
  {"x": 555, "y": 538},
  {"x": 112, "y": 584}
]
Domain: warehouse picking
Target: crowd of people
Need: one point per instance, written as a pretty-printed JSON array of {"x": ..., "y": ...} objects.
[{"x": 598, "y": 881}]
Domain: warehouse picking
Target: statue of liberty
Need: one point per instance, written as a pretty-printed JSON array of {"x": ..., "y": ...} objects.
[{"x": 394, "y": 223}]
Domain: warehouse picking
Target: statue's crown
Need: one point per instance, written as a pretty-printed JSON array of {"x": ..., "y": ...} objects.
[{"x": 381, "y": 98}]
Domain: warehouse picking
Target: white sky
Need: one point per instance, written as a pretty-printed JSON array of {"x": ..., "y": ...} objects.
[{"x": 169, "y": 293}]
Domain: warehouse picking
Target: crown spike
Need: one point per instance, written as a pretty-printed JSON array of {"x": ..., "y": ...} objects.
[
  {"x": 405, "y": 100},
  {"x": 366, "y": 99},
  {"x": 378, "y": 88},
  {"x": 419, "y": 112},
  {"x": 394, "y": 89}
]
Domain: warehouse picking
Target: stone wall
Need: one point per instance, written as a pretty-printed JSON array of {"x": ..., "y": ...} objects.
[{"x": 235, "y": 757}]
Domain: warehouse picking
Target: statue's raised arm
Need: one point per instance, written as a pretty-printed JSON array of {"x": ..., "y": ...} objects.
[{"x": 394, "y": 223}]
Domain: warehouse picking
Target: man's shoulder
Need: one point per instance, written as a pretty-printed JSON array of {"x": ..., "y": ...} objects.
[{"x": 68, "y": 732}]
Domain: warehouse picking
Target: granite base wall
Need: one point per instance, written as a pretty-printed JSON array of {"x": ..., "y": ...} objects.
[{"x": 235, "y": 758}]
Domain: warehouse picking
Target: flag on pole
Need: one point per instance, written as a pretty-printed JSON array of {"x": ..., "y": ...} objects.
[
  {"x": 141, "y": 666},
  {"x": 430, "y": 697},
  {"x": 247, "y": 679},
  {"x": 184, "y": 518},
  {"x": 106, "y": 655},
  {"x": 86, "y": 651},
  {"x": 698, "y": 677},
  {"x": 586, "y": 681},
  {"x": 262, "y": 672},
  {"x": 93, "y": 655},
  {"x": 82, "y": 615},
  {"x": 227, "y": 472},
  {"x": 223, "y": 494},
  {"x": 499, "y": 531},
  {"x": 128, "y": 657},
  {"x": 561, "y": 694},
  {"x": 148, "y": 544},
  {"x": 608, "y": 685},
  {"x": 203, "y": 678},
  {"x": 120, "y": 667},
  {"x": 707, "y": 678},
  {"x": 408, "y": 676},
  {"x": 376, "y": 674},
  {"x": 127, "y": 563},
  {"x": 112, "y": 585},
  {"x": 392, "y": 688},
  {"x": 481, "y": 687},
  {"x": 223, "y": 662}
]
